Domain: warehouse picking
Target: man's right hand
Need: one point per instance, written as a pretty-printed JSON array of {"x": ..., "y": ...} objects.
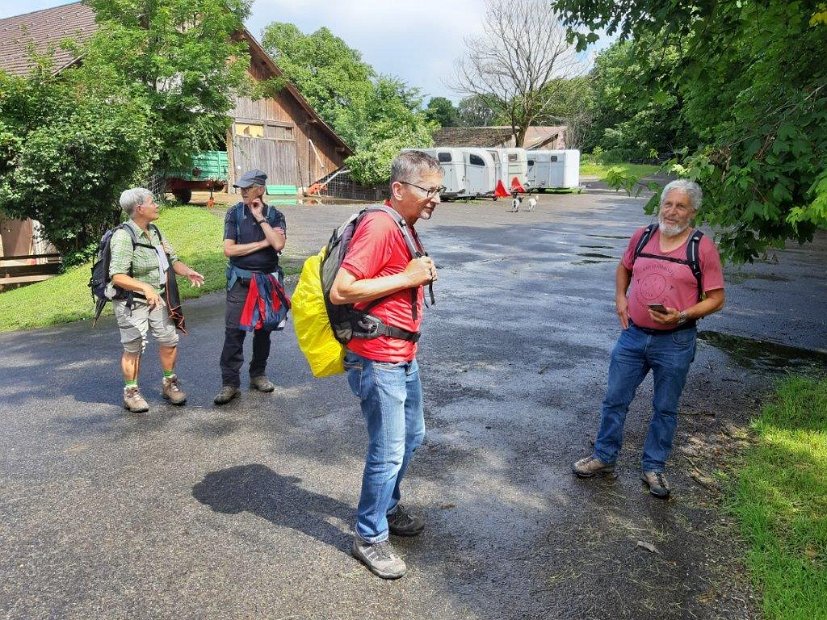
[
  {"x": 622, "y": 309},
  {"x": 421, "y": 271}
]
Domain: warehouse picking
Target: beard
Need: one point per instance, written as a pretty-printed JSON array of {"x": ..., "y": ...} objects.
[{"x": 671, "y": 230}]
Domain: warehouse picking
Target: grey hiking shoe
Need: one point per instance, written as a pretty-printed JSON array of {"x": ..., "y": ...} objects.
[
  {"x": 379, "y": 558},
  {"x": 658, "y": 486},
  {"x": 403, "y": 523},
  {"x": 590, "y": 467},
  {"x": 133, "y": 401},
  {"x": 262, "y": 384},
  {"x": 173, "y": 392},
  {"x": 227, "y": 393}
]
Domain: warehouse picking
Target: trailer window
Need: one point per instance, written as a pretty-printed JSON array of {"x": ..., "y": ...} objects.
[
  {"x": 444, "y": 157},
  {"x": 512, "y": 157},
  {"x": 553, "y": 158},
  {"x": 476, "y": 160},
  {"x": 530, "y": 162}
]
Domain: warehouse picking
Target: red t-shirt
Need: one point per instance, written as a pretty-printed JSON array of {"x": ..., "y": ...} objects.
[
  {"x": 379, "y": 249},
  {"x": 656, "y": 281}
]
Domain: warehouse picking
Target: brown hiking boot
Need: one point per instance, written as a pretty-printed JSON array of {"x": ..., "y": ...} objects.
[
  {"x": 227, "y": 393},
  {"x": 590, "y": 467},
  {"x": 173, "y": 392},
  {"x": 133, "y": 401},
  {"x": 658, "y": 486},
  {"x": 262, "y": 384}
]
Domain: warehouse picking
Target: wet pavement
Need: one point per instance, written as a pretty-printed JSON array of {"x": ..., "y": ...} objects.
[{"x": 245, "y": 511}]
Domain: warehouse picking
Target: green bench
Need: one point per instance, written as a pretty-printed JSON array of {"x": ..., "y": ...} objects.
[{"x": 282, "y": 190}]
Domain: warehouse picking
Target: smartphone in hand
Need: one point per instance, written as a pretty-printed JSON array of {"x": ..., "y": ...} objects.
[{"x": 658, "y": 308}]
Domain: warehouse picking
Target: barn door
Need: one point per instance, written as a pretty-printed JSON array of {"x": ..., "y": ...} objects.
[{"x": 278, "y": 158}]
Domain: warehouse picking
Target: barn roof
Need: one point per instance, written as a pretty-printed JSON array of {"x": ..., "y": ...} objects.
[{"x": 45, "y": 30}]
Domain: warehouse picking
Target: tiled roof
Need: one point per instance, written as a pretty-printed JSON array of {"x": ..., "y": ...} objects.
[
  {"x": 473, "y": 136},
  {"x": 486, "y": 137},
  {"x": 44, "y": 30}
]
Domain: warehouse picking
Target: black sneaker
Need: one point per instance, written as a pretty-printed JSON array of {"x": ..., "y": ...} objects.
[
  {"x": 379, "y": 558},
  {"x": 658, "y": 486},
  {"x": 403, "y": 523}
]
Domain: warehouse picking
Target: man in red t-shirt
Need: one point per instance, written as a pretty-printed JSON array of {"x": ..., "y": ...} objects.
[
  {"x": 379, "y": 275},
  {"x": 658, "y": 304}
]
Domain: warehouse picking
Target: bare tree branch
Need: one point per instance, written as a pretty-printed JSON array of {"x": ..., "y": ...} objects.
[{"x": 518, "y": 63}]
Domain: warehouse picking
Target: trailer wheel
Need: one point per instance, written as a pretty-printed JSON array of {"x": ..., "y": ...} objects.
[
  {"x": 183, "y": 195},
  {"x": 496, "y": 198}
]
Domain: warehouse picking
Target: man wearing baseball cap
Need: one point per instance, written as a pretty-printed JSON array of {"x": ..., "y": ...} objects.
[{"x": 254, "y": 235}]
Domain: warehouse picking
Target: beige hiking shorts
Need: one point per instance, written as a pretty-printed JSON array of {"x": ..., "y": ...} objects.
[{"x": 136, "y": 322}]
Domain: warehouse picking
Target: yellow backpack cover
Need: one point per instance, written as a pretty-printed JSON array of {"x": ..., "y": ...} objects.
[{"x": 324, "y": 353}]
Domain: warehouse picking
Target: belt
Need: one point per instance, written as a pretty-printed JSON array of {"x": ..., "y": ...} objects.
[{"x": 659, "y": 332}]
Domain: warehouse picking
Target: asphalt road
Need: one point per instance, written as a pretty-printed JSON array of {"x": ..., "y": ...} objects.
[{"x": 246, "y": 511}]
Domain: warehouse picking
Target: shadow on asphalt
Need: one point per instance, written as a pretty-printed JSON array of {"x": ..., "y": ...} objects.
[{"x": 259, "y": 490}]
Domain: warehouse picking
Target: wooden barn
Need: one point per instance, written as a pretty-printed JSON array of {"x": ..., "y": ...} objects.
[{"x": 282, "y": 135}]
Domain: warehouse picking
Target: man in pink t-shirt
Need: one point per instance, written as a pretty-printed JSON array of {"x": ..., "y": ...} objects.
[
  {"x": 658, "y": 301},
  {"x": 378, "y": 275}
]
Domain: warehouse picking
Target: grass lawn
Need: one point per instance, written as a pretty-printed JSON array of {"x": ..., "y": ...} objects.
[
  {"x": 196, "y": 235},
  {"x": 781, "y": 501},
  {"x": 590, "y": 168}
]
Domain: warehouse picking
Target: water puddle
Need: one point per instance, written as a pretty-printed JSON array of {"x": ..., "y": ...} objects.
[
  {"x": 762, "y": 355},
  {"x": 738, "y": 277},
  {"x": 595, "y": 255}
]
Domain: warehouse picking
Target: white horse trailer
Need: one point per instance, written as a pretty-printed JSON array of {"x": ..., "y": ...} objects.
[
  {"x": 514, "y": 162},
  {"x": 480, "y": 172},
  {"x": 452, "y": 162},
  {"x": 559, "y": 169}
]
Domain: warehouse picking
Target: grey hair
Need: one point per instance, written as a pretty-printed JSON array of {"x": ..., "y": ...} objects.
[
  {"x": 410, "y": 165},
  {"x": 690, "y": 188},
  {"x": 131, "y": 198}
]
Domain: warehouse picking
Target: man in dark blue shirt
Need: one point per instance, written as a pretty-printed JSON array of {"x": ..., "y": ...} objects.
[{"x": 254, "y": 234}]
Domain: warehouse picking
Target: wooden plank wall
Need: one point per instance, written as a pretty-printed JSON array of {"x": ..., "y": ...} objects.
[{"x": 277, "y": 114}]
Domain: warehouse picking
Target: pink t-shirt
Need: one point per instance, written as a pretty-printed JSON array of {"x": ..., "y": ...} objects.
[
  {"x": 378, "y": 249},
  {"x": 656, "y": 281}
]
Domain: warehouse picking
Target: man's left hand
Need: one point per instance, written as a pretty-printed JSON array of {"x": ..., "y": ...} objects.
[{"x": 670, "y": 317}]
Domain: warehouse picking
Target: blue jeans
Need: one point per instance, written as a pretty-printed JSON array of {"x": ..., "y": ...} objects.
[
  {"x": 391, "y": 398},
  {"x": 636, "y": 352}
]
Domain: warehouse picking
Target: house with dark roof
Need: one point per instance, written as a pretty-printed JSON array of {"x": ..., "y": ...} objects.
[{"x": 551, "y": 138}]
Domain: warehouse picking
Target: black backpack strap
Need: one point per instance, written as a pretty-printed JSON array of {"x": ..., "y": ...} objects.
[
  {"x": 644, "y": 239},
  {"x": 693, "y": 259}
]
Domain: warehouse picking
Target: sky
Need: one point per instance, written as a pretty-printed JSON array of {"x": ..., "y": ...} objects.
[{"x": 416, "y": 41}]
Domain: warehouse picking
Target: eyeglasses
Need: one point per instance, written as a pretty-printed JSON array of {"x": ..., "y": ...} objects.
[{"x": 429, "y": 192}]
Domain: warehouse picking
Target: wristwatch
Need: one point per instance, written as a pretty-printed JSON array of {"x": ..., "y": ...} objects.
[
  {"x": 261, "y": 221},
  {"x": 682, "y": 318}
]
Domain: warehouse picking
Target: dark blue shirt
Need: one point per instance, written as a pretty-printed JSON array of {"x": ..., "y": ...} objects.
[{"x": 247, "y": 230}]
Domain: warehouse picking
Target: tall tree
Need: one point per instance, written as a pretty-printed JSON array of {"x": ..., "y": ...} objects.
[
  {"x": 442, "y": 111},
  {"x": 376, "y": 115},
  {"x": 638, "y": 123},
  {"x": 754, "y": 86},
  {"x": 476, "y": 111},
  {"x": 181, "y": 57},
  {"x": 515, "y": 65}
]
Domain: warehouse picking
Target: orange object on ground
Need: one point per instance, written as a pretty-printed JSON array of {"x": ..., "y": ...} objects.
[{"x": 500, "y": 191}]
